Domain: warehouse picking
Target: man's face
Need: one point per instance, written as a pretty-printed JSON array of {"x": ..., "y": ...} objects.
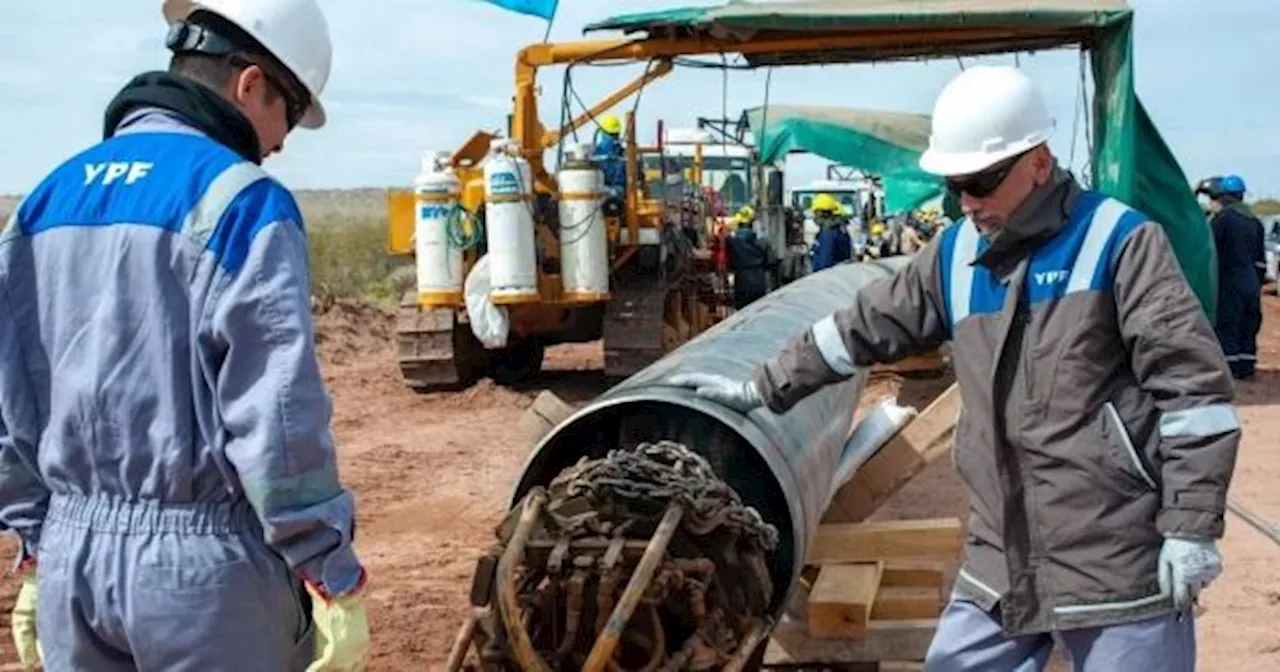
[
  {"x": 268, "y": 104},
  {"x": 989, "y": 198}
]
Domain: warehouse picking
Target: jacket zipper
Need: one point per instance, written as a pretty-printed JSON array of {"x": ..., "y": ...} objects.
[{"x": 1128, "y": 444}]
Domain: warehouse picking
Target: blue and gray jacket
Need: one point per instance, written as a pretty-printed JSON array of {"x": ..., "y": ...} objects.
[
  {"x": 1098, "y": 415},
  {"x": 156, "y": 344}
]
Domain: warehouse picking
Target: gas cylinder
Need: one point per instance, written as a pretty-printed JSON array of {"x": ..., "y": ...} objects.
[
  {"x": 436, "y": 190},
  {"x": 584, "y": 240},
  {"x": 508, "y": 197}
]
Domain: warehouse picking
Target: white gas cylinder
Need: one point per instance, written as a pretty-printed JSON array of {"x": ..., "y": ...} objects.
[
  {"x": 508, "y": 196},
  {"x": 436, "y": 190},
  {"x": 584, "y": 239}
]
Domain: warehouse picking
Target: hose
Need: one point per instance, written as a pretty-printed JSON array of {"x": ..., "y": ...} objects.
[
  {"x": 464, "y": 230},
  {"x": 1267, "y": 529}
]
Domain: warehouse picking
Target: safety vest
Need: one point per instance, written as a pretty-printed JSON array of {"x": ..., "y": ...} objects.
[{"x": 1077, "y": 259}]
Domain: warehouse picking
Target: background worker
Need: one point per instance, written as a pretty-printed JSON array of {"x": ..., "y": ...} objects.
[
  {"x": 750, "y": 258},
  {"x": 1098, "y": 436},
  {"x": 165, "y": 450},
  {"x": 832, "y": 245},
  {"x": 610, "y": 155},
  {"x": 1239, "y": 238}
]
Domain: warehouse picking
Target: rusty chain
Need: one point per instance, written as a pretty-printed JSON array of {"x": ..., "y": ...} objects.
[{"x": 653, "y": 475}]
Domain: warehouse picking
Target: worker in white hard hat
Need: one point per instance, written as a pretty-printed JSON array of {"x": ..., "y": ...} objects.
[
  {"x": 1098, "y": 437},
  {"x": 165, "y": 451}
]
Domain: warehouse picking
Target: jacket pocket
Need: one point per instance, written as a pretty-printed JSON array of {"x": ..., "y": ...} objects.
[{"x": 1120, "y": 451}]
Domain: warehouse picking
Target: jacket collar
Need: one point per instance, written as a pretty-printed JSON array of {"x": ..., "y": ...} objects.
[{"x": 1039, "y": 218}]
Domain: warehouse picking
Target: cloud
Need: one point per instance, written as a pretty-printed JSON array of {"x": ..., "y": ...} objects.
[{"x": 417, "y": 75}]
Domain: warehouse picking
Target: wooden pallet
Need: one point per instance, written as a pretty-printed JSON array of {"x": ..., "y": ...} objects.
[{"x": 871, "y": 592}]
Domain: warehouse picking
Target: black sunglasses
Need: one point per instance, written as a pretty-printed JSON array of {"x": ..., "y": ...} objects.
[
  {"x": 295, "y": 105},
  {"x": 981, "y": 185}
]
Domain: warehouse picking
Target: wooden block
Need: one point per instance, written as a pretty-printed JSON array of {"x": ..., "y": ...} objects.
[
  {"x": 546, "y": 411},
  {"x": 935, "y": 539},
  {"x": 791, "y": 644},
  {"x": 902, "y": 604},
  {"x": 841, "y": 599},
  {"x": 923, "y": 440},
  {"x": 912, "y": 574}
]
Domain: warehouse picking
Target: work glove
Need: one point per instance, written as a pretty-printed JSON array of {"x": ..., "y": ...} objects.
[
  {"x": 740, "y": 395},
  {"x": 23, "y": 624},
  {"x": 1186, "y": 567},
  {"x": 342, "y": 632}
]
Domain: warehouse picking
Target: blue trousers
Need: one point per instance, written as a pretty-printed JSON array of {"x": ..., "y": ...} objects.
[
  {"x": 969, "y": 639},
  {"x": 181, "y": 588}
]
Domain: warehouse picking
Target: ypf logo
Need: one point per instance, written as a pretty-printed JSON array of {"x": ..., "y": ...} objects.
[
  {"x": 1051, "y": 277},
  {"x": 433, "y": 211},
  {"x": 504, "y": 184}
]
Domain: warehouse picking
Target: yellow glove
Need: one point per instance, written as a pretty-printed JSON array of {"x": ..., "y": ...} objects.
[
  {"x": 23, "y": 623},
  {"x": 342, "y": 633}
]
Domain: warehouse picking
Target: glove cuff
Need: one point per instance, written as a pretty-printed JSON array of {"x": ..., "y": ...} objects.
[{"x": 318, "y": 591}]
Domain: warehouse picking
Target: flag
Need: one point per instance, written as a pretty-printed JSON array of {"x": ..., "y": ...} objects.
[{"x": 542, "y": 8}]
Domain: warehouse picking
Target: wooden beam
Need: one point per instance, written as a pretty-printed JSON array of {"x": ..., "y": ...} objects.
[
  {"x": 885, "y": 640},
  {"x": 925, "y": 438},
  {"x": 841, "y": 599},
  {"x": 936, "y": 539},
  {"x": 900, "y": 604},
  {"x": 543, "y": 415},
  {"x": 912, "y": 574}
]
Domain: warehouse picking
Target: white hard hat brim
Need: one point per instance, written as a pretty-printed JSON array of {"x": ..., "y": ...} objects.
[
  {"x": 945, "y": 164},
  {"x": 315, "y": 116}
]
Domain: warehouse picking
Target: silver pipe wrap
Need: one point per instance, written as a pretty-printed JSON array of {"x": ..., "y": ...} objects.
[{"x": 783, "y": 465}]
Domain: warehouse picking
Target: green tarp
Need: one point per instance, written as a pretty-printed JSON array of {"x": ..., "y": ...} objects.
[
  {"x": 879, "y": 142},
  {"x": 1131, "y": 161}
]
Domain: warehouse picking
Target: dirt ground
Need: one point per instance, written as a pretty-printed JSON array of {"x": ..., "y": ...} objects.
[{"x": 432, "y": 475}]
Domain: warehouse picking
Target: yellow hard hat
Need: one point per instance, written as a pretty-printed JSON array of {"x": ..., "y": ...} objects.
[
  {"x": 826, "y": 203},
  {"x": 746, "y": 213},
  {"x": 610, "y": 124}
]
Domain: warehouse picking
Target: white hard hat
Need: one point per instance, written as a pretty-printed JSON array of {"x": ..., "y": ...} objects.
[
  {"x": 294, "y": 31},
  {"x": 983, "y": 116}
]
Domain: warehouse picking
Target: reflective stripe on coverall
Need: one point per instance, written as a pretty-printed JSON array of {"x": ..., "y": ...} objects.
[{"x": 178, "y": 481}]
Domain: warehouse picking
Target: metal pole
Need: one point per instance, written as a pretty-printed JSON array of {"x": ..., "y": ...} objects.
[{"x": 607, "y": 642}]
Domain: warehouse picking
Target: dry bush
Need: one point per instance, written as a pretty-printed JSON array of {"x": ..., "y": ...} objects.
[{"x": 347, "y": 234}]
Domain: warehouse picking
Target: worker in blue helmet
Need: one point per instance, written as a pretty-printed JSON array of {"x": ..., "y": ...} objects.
[{"x": 1238, "y": 238}]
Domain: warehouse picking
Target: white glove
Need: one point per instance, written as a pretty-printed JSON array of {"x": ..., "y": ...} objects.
[
  {"x": 1186, "y": 567},
  {"x": 740, "y": 395}
]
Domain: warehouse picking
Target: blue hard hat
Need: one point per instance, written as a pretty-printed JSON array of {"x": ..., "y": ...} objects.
[{"x": 1232, "y": 184}]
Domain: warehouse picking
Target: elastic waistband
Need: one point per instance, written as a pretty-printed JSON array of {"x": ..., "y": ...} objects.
[{"x": 103, "y": 513}]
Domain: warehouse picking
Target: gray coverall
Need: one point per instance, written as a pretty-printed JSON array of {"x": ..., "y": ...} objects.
[{"x": 165, "y": 452}]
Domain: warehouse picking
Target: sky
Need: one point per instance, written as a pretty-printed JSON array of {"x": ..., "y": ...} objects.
[{"x": 412, "y": 76}]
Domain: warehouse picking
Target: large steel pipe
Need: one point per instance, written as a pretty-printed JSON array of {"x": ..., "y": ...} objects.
[{"x": 783, "y": 465}]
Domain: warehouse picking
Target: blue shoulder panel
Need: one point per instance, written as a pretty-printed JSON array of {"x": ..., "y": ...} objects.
[
  {"x": 1104, "y": 274},
  {"x": 261, "y": 204},
  {"x": 1050, "y": 270},
  {"x": 151, "y": 179},
  {"x": 946, "y": 257}
]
